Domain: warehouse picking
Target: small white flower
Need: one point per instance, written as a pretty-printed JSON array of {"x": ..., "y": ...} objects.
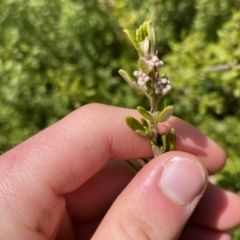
[
  {"x": 136, "y": 73},
  {"x": 168, "y": 87},
  {"x": 155, "y": 59},
  {"x": 164, "y": 80},
  {"x": 166, "y": 90},
  {"x": 158, "y": 90},
  {"x": 142, "y": 77},
  {"x": 147, "y": 78},
  {"x": 159, "y": 64},
  {"x": 151, "y": 63},
  {"x": 141, "y": 82}
]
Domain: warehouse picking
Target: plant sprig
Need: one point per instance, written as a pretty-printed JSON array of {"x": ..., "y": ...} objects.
[{"x": 155, "y": 86}]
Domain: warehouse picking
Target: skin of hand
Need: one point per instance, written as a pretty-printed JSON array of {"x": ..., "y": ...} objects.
[{"x": 62, "y": 184}]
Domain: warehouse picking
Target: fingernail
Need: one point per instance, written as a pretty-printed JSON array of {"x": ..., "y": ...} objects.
[{"x": 182, "y": 180}]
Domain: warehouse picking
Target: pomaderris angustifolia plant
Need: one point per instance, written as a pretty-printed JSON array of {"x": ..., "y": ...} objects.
[{"x": 149, "y": 81}]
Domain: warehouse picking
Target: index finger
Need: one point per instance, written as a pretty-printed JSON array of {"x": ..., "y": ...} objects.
[{"x": 66, "y": 154}]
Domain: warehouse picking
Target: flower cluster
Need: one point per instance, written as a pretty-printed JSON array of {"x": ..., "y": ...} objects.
[
  {"x": 151, "y": 62},
  {"x": 162, "y": 85},
  {"x": 154, "y": 61},
  {"x": 142, "y": 77}
]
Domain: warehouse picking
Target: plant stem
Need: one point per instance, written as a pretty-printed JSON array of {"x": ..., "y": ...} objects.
[
  {"x": 153, "y": 109},
  {"x": 153, "y": 104}
]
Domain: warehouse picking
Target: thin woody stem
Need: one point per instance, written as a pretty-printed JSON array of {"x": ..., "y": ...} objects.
[
  {"x": 153, "y": 104},
  {"x": 153, "y": 110}
]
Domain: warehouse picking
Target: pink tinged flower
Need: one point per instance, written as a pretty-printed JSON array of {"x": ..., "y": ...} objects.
[
  {"x": 155, "y": 59},
  {"x": 155, "y": 62},
  {"x": 164, "y": 80},
  {"x": 151, "y": 63},
  {"x": 166, "y": 90},
  {"x": 146, "y": 79},
  {"x": 136, "y": 73}
]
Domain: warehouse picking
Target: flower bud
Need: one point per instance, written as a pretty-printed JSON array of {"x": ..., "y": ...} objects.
[
  {"x": 136, "y": 73},
  {"x": 164, "y": 80},
  {"x": 155, "y": 59}
]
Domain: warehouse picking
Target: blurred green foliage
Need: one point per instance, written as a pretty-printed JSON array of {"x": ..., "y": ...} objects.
[{"x": 58, "y": 55}]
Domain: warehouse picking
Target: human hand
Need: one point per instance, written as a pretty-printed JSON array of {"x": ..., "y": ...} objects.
[{"x": 59, "y": 184}]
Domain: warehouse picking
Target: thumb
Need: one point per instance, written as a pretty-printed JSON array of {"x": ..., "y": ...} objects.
[{"x": 158, "y": 201}]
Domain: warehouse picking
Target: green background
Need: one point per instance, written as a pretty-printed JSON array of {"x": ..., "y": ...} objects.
[{"x": 58, "y": 55}]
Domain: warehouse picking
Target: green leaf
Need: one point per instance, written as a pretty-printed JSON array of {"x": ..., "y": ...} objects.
[
  {"x": 144, "y": 65},
  {"x": 164, "y": 115},
  {"x": 144, "y": 122},
  {"x": 151, "y": 35},
  {"x": 126, "y": 76},
  {"x": 156, "y": 150},
  {"x": 164, "y": 142},
  {"x": 130, "y": 80},
  {"x": 142, "y": 133},
  {"x": 144, "y": 31},
  {"x": 149, "y": 132},
  {"x": 144, "y": 113},
  {"x": 141, "y": 33},
  {"x": 164, "y": 75},
  {"x": 134, "y": 42},
  {"x": 171, "y": 139},
  {"x": 133, "y": 123},
  {"x": 160, "y": 104}
]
